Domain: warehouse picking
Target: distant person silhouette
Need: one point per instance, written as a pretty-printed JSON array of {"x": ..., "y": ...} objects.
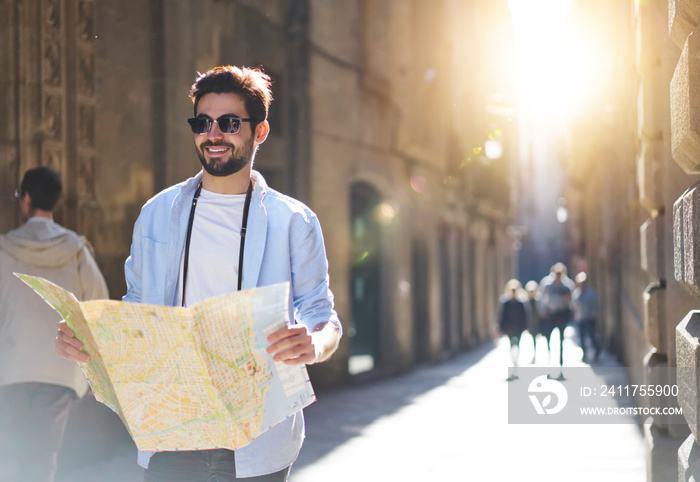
[
  {"x": 585, "y": 301},
  {"x": 555, "y": 305},
  {"x": 512, "y": 319},
  {"x": 534, "y": 320}
]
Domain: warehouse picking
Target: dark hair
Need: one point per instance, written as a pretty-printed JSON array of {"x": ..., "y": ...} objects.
[
  {"x": 44, "y": 187},
  {"x": 250, "y": 83}
]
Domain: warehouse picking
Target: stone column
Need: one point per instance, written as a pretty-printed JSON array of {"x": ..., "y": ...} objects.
[
  {"x": 9, "y": 152},
  {"x": 687, "y": 271},
  {"x": 660, "y": 446},
  {"x": 685, "y": 141}
]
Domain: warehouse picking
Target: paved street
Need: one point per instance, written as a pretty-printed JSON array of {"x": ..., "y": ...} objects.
[
  {"x": 446, "y": 422},
  {"x": 449, "y": 423}
]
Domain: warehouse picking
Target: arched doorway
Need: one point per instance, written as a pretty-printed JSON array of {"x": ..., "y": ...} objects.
[{"x": 365, "y": 277}]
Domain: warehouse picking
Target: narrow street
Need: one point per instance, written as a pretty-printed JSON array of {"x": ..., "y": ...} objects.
[
  {"x": 449, "y": 422},
  {"x": 444, "y": 422}
]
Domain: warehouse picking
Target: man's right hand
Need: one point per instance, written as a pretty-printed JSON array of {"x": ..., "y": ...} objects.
[{"x": 68, "y": 346}]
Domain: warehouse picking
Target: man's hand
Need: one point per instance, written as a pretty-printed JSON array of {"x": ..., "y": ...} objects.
[
  {"x": 292, "y": 345},
  {"x": 296, "y": 345},
  {"x": 68, "y": 346}
]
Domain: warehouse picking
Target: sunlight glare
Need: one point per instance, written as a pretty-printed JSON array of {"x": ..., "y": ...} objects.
[{"x": 549, "y": 57}]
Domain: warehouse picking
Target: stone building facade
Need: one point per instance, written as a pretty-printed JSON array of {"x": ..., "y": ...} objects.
[
  {"x": 380, "y": 115},
  {"x": 684, "y": 21},
  {"x": 634, "y": 169},
  {"x": 381, "y": 112}
]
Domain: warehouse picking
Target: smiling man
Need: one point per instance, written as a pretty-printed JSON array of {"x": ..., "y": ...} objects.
[{"x": 225, "y": 230}]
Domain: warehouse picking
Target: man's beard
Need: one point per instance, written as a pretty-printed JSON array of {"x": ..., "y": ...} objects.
[{"x": 221, "y": 167}]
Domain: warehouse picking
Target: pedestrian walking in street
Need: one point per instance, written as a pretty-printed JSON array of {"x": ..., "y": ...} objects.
[
  {"x": 512, "y": 319},
  {"x": 534, "y": 321},
  {"x": 37, "y": 387},
  {"x": 585, "y": 301},
  {"x": 555, "y": 305},
  {"x": 224, "y": 230}
]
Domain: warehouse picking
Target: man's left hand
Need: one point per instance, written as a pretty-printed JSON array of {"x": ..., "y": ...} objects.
[{"x": 293, "y": 345}]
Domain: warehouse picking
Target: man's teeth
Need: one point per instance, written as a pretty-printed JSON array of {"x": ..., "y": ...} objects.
[{"x": 217, "y": 149}]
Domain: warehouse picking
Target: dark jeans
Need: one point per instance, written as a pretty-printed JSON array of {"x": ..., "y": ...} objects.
[
  {"x": 556, "y": 320},
  {"x": 33, "y": 419},
  {"x": 586, "y": 329},
  {"x": 201, "y": 466}
]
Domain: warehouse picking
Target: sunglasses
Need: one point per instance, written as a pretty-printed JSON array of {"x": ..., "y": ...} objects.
[{"x": 228, "y": 123}]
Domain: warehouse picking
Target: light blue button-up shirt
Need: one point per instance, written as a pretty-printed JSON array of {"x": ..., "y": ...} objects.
[{"x": 283, "y": 243}]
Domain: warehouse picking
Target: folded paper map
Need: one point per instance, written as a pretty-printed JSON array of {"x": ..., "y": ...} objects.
[{"x": 187, "y": 378}]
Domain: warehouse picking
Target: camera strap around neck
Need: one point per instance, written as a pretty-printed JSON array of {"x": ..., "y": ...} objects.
[{"x": 244, "y": 224}]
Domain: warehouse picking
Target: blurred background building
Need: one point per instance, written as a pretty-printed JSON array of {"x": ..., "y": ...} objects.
[
  {"x": 446, "y": 146},
  {"x": 382, "y": 117}
]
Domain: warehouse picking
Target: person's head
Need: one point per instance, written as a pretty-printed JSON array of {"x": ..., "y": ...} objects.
[
  {"x": 251, "y": 84},
  {"x": 230, "y": 117},
  {"x": 39, "y": 191},
  {"x": 558, "y": 270},
  {"x": 512, "y": 288},
  {"x": 531, "y": 288}
]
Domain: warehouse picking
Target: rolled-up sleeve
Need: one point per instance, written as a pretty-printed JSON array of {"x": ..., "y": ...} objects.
[{"x": 312, "y": 297}]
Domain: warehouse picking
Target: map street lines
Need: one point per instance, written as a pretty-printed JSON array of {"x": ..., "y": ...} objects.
[{"x": 187, "y": 378}]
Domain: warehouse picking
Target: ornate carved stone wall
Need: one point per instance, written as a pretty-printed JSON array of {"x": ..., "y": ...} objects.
[{"x": 49, "y": 103}]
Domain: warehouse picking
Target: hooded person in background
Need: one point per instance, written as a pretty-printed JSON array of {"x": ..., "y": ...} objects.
[{"x": 37, "y": 387}]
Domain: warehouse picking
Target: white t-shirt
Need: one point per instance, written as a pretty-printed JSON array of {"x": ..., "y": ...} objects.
[
  {"x": 214, "y": 251},
  {"x": 214, "y": 247}
]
